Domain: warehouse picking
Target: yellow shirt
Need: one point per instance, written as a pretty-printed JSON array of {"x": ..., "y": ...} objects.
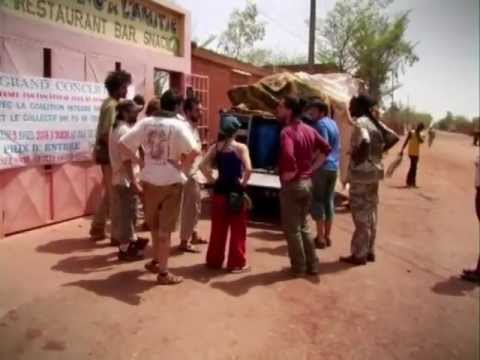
[{"x": 414, "y": 144}]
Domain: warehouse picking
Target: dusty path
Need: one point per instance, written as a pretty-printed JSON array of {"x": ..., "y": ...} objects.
[{"x": 63, "y": 298}]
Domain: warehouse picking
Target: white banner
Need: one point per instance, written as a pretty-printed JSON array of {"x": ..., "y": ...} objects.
[{"x": 47, "y": 121}]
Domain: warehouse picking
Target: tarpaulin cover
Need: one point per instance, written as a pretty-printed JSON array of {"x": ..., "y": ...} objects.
[{"x": 335, "y": 89}]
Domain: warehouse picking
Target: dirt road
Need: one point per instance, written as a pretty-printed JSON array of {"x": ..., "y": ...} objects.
[{"x": 62, "y": 297}]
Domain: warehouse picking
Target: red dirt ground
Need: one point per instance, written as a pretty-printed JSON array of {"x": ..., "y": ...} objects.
[{"x": 62, "y": 297}]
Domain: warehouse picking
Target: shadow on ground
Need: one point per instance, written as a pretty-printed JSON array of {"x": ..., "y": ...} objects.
[
  {"x": 124, "y": 286},
  {"x": 267, "y": 235},
  {"x": 87, "y": 264},
  {"x": 454, "y": 286},
  {"x": 67, "y": 246},
  {"x": 243, "y": 285},
  {"x": 199, "y": 273},
  {"x": 278, "y": 251}
]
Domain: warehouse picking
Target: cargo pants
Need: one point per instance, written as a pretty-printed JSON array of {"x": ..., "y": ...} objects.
[
  {"x": 191, "y": 209},
  {"x": 295, "y": 198},
  {"x": 364, "y": 207}
]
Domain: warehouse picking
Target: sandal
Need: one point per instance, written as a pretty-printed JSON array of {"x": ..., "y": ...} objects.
[
  {"x": 152, "y": 266},
  {"x": 169, "y": 279},
  {"x": 189, "y": 248},
  {"x": 239, "y": 270}
]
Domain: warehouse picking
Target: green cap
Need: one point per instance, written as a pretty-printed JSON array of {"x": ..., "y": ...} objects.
[{"x": 229, "y": 126}]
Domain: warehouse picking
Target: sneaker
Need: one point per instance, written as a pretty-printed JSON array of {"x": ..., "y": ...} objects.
[
  {"x": 141, "y": 243},
  {"x": 197, "y": 240},
  {"x": 131, "y": 254}
]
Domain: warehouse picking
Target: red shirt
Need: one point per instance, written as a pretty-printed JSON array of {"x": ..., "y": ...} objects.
[{"x": 298, "y": 145}]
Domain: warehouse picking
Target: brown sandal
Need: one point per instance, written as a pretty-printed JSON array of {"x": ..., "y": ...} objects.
[
  {"x": 152, "y": 266},
  {"x": 169, "y": 279}
]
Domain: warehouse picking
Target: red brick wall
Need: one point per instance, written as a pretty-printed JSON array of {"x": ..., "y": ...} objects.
[{"x": 221, "y": 79}]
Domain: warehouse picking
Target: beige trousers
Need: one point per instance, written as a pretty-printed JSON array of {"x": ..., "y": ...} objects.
[{"x": 191, "y": 209}]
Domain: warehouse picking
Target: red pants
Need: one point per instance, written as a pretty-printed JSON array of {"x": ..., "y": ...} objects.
[{"x": 222, "y": 220}]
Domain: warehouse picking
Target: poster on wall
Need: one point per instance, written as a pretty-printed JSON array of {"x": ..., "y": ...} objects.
[{"x": 47, "y": 121}]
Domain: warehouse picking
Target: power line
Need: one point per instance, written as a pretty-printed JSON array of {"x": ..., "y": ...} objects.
[{"x": 282, "y": 26}]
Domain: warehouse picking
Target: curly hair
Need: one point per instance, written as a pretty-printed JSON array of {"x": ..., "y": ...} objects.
[{"x": 117, "y": 79}]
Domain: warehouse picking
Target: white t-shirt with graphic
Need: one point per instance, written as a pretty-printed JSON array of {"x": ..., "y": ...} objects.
[
  {"x": 117, "y": 157},
  {"x": 165, "y": 140}
]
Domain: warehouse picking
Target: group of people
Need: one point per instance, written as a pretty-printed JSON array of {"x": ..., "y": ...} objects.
[{"x": 157, "y": 161}]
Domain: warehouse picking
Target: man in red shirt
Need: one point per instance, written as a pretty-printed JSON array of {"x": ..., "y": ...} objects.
[{"x": 302, "y": 151}]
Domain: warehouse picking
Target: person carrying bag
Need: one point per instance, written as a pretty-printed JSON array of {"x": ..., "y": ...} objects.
[{"x": 229, "y": 204}]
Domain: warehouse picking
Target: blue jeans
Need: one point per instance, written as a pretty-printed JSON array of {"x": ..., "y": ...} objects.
[{"x": 323, "y": 207}]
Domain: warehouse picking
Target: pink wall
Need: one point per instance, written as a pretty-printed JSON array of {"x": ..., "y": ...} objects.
[{"x": 38, "y": 195}]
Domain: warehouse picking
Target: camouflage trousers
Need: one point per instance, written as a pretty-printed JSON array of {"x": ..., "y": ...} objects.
[{"x": 364, "y": 207}]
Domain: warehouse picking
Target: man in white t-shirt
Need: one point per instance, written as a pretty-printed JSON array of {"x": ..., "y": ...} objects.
[
  {"x": 170, "y": 149},
  {"x": 125, "y": 187}
]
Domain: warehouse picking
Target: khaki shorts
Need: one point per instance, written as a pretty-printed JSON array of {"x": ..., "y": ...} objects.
[{"x": 162, "y": 206}]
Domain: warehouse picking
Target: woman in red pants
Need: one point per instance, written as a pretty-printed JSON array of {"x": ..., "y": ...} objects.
[{"x": 232, "y": 160}]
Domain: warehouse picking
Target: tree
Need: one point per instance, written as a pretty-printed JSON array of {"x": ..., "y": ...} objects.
[
  {"x": 397, "y": 117},
  {"x": 243, "y": 31},
  {"x": 457, "y": 123},
  {"x": 362, "y": 40}
]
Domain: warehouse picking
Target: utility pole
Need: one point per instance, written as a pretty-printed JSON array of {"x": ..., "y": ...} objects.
[{"x": 311, "y": 42}]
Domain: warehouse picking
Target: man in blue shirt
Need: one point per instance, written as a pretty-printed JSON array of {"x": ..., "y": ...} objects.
[{"x": 324, "y": 179}]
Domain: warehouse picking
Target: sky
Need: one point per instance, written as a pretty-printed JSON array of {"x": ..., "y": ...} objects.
[{"x": 446, "y": 33}]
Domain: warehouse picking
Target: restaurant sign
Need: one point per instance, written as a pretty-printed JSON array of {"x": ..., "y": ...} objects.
[{"x": 137, "y": 22}]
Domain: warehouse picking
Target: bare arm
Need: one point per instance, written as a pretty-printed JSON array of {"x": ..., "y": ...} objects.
[
  {"x": 188, "y": 160},
  {"x": 131, "y": 177},
  {"x": 319, "y": 160},
  {"x": 127, "y": 153},
  {"x": 406, "y": 142},
  {"x": 205, "y": 166},
  {"x": 247, "y": 164}
]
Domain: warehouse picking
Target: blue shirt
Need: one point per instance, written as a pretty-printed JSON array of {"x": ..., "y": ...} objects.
[{"x": 328, "y": 129}]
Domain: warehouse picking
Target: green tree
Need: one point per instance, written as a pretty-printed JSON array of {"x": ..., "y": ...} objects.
[
  {"x": 361, "y": 39},
  {"x": 243, "y": 30}
]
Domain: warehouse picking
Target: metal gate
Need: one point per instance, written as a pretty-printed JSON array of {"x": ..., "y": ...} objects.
[{"x": 199, "y": 86}]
